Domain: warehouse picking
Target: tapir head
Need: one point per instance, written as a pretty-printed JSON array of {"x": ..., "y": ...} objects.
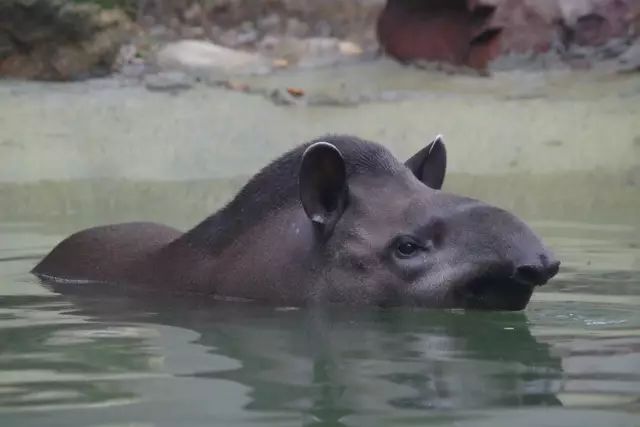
[{"x": 396, "y": 239}]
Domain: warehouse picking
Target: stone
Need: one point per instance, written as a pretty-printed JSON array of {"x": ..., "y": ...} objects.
[
  {"x": 325, "y": 51},
  {"x": 159, "y": 32},
  {"x": 594, "y": 22},
  {"x": 478, "y": 32},
  {"x": 59, "y": 40},
  {"x": 284, "y": 98},
  {"x": 296, "y": 28},
  {"x": 435, "y": 31},
  {"x": 6, "y": 46},
  {"x": 129, "y": 63},
  {"x": 630, "y": 60},
  {"x": 246, "y": 37},
  {"x": 308, "y": 52},
  {"x": 193, "y": 13},
  {"x": 194, "y": 32},
  {"x": 279, "y": 63},
  {"x": 174, "y": 23},
  {"x": 349, "y": 48},
  {"x": 206, "y": 59},
  {"x": 287, "y": 49},
  {"x": 269, "y": 44},
  {"x": 268, "y": 23},
  {"x": 169, "y": 81},
  {"x": 321, "y": 45},
  {"x": 525, "y": 26},
  {"x": 614, "y": 48},
  {"x": 228, "y": 38},
  {"x": 322, "y": 29},
  {"x": 247, "y": 26}
]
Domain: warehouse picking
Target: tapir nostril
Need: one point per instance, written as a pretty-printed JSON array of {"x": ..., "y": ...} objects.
[
  {"x": 552, "y": 269},
  {"x": 536, "y": 274}
]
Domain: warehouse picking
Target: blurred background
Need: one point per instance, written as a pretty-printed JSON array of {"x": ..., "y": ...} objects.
[
  {"x": 160, "y": 110},
  {"x": 160, "y": 106}
]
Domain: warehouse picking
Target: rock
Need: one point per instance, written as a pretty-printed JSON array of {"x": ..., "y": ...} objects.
[
  {"x": 247, "y": 26},
  {"x": 614, "y": 48},
  {"x": 630, "y": 60},
  {"x": 193, "y": 13},
  {"x": 268, "y": 23},
  {"x": 322, "y": 29},
  {"x": 348, "y": 48},
  {"x": 594, "y": 22},
  {"x": 436, "y": 31},
  {"x": 147, "y": 21},
  {"x": 309, "y": 52},
  {"x": 134, "y": 70},
  {"x": 269, "y": 44},
  {"x": 194, "y": 32},
  {"x": 228, "y": 38},
  {"x": 160, "y": 32},
  {"x": 524, "y": 26},
  {"x": 279, "y": 63},
  {"x": 128, "y": 62},
  {"x": 6, "y": 46},
  {"x": 477, "y": 32},
  {"x": 59, "y": 40},
  {"x": 174, "y": 23},
  {"x": 317, "y": 46},
  {"x": 287, "y": 50},
  {"x": 246, "y": 37},
  {"x": 206, "y": 59},
  {"x": 283, "y": 97},
  {"x": 296, "y": 28},
  {"x": 169, "y": 81}
]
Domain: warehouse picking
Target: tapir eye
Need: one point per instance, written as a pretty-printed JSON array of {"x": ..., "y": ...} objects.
[{"x": 407, "y": 247}]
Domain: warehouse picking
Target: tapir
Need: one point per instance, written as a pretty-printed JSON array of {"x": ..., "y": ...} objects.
[{"x": 337, "y": 220}]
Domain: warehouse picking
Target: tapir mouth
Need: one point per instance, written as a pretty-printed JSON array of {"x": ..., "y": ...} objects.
[
  {"x": 503, "y": 286},
  {"x": 495, "y": 292}
]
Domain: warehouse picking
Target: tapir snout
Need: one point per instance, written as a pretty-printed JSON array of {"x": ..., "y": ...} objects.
[{"x": 489, "y": 257}]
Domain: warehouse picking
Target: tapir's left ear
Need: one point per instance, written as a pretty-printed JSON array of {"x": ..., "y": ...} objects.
[
  {"x": 429, "y": 165},
  {"x": 323, "y": 185}
]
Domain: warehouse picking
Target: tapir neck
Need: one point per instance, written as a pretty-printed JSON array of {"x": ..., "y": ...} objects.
[{"x": 264, "y": 262}]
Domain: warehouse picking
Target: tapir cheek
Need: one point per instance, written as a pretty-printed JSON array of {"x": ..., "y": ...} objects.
[
  {"x": 411, "y": 270},
  {"x": 355, "y": 260}
]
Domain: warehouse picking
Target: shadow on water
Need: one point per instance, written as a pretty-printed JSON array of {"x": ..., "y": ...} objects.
[{"x": 324, "y": 365}]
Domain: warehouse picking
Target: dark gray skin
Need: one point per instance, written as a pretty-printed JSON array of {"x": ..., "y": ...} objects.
[{"x": 332, "y": 221}]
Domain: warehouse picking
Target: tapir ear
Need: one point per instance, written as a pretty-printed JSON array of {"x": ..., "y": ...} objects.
[
  {"x": 429, "y": 165},
  {"x": 323, "y": 184}
]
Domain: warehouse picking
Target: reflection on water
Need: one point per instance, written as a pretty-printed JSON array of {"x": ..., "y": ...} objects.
[{"x": 75, "y": 357}]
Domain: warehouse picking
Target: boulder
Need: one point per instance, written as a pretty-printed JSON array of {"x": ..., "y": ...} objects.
[
  {"x": 526, "y": 26},
  {"x": 477, "y": 32},
  {"x": 205, "y": 59},
  {"x": 630, "y": 60},
  {"x": 59, "y": 40},
  {"x": 432, "y": 30},
  {"x": 595, "y": 22},
  {"x": 308, "y": 52}
]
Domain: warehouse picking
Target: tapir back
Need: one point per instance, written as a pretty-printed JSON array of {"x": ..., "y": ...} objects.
[{"x": 105, "y": 254}]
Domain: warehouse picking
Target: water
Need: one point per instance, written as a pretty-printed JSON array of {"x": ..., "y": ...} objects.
[
  {"x": 74, "y": 358},
  {"x": 571, "y": 359}
]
